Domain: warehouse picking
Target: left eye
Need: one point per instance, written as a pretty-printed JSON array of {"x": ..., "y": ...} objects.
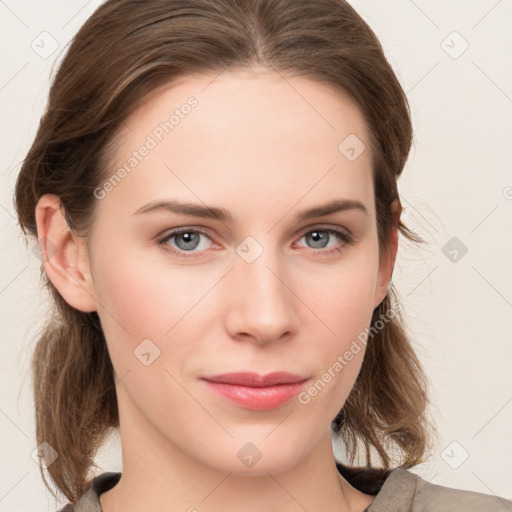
[
  {"x": 319, "y": 237},
  {"x": 187, "y": 240}
]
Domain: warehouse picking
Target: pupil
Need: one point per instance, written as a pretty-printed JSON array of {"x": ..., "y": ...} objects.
[
  {"x": 317, "y": 236},
  {"x": 188, "y": 239}
]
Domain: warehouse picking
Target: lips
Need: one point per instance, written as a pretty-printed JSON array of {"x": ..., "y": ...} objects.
[
  {"x": 256, "y": 380},
  {"x": 254, "y": 391}
]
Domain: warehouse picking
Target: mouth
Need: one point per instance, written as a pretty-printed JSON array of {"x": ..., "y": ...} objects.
[{"x": 254, "y": 391}]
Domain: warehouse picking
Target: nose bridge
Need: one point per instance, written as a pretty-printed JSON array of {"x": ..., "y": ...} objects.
[{"x": 263, "y": 305}]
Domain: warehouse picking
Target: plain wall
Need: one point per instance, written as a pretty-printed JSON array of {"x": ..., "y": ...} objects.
[{"x": 456, "y": 191}]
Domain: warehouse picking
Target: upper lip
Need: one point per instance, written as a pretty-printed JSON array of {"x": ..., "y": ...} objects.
[{"x": 256, "y": 380}]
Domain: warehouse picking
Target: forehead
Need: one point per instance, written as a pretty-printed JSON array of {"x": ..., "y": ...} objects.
[
  {"x": 253, "y": 101},
  {"x": 246, "y": 133}
]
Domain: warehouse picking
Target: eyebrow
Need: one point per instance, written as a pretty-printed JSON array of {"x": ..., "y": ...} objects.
[{"x": 210, "y": 212}]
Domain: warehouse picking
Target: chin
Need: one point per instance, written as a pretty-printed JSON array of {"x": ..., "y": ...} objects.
[{"x": 249, "y": 458}]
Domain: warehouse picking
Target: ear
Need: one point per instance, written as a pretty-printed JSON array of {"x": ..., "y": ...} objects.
[
  {"x": 387, "y": 260},
  {"x": 65, "y": 256}
]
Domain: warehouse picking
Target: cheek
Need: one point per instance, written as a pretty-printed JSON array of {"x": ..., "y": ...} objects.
[
  {"x": 348, "y": 314},
  {"x": 145, "y": 295},
  {"x": 344, "y": 307},
  {"x": 137, "y": 288},
  {"x": 344, "y": 298},
  {"x": 144, "y": 299}
]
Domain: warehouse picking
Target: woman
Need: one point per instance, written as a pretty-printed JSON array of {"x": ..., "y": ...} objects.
[{"x": 214, "y": 190}]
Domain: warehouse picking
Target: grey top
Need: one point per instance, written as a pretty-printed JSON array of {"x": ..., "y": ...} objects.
[{"x": 402, "y": 491}]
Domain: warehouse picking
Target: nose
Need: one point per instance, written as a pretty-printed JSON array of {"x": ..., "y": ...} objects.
[{"x": 262, "y": 303}]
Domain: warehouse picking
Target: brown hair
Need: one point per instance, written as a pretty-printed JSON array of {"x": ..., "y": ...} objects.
[{"x": 124, "y": 51}]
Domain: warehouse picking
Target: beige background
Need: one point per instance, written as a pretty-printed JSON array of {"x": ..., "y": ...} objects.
[{"x": 458, "y": 183}]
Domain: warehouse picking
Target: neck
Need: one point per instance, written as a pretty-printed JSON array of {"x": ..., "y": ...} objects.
[{"x": 158, "y": 475}]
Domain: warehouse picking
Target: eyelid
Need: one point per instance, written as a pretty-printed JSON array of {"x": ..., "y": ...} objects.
[
  {"x": 345, "y": 235},
  {"x": 206, "y": 231},
  {"x": 333, "y": 227},
  {"x": 169, "y": 233},
  {"x": 347, "y": 238}
]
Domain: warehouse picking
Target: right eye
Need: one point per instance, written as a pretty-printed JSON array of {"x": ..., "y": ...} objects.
[{"x": 186, "y": 240}]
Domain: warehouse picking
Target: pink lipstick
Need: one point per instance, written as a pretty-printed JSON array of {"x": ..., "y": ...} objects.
[{"x": 254, "y": 391}]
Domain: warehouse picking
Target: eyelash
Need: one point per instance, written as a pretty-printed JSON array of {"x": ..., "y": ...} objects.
[{"x": 347, "y": 239}]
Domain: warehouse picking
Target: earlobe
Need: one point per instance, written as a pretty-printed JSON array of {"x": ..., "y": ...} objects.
[{"x": 64, "y": 255}]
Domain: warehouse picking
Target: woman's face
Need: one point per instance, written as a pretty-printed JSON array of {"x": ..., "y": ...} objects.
[{"x": 260, "y": 289}]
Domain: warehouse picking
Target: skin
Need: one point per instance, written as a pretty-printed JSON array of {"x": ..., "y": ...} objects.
[{"x": 264, "y": 151}]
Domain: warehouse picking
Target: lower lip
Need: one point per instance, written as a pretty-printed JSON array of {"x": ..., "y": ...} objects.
[{"x": 257, "y": 398}]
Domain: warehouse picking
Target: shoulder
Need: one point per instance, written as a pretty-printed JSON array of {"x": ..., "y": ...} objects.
[
  {"x": 89, "y": 501},
  {"x": 406, "y": 491}
]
